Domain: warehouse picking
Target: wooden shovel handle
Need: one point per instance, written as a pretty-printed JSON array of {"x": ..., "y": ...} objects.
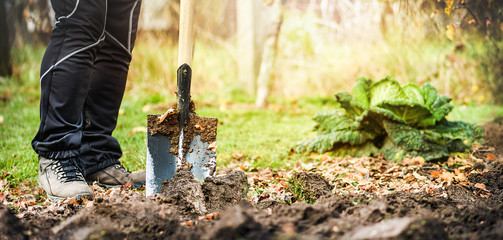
[{"x": 186, "y": 34}]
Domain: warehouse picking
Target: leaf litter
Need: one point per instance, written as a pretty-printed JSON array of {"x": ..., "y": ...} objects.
[{"x": 323, "y": 197}]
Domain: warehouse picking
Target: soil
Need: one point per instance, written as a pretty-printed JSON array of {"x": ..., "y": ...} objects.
[{"x": 218, "y": 209}]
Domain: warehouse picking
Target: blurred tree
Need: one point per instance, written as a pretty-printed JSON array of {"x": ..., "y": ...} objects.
[
  {"x": 251, "y": 19},
  {"x": 5, "y": 64},
  {"x": 485, "y": 17},
  {"x": 269, "y": 54},
  {"x": 30, "y": 21}
]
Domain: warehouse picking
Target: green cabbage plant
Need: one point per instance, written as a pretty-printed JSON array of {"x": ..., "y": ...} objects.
[{"x": 396, "y": 121}]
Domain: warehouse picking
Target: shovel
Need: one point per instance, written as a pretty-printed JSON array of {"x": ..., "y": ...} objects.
[{"x": 180, "y": 139}]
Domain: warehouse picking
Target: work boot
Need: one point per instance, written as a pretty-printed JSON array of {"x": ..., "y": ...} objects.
[
  {"x": 62, "y": 179},
  {"x": 116, "y": 176}
]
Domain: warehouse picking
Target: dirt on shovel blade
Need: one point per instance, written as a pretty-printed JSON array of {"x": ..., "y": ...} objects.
[{"x": 206, "y": 127}]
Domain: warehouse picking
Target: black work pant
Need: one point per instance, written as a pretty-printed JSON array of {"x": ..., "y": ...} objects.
[{"x": 83, "y": 78}]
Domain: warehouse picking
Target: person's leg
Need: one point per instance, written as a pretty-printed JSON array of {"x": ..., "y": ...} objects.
[
  {"x": 66, "y": 71},
  {"x": 65, "y": 78},
  {"x": 99, "y": 149}
]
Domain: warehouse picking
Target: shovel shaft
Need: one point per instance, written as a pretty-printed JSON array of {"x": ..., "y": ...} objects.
[
  {"x": 186, "y": 32},
  {"x": 184, "y": 72},
  {"x": 183, "y": 79}
]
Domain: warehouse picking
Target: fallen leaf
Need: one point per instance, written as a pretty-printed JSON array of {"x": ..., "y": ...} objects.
[
  {"x": 3, "y": 196},
  {"x": 237, "y": 155},
  {"x": 126, "y": 186},
  {"x": 167, "y": 113},
  {"x": 435, "y": 174},
  {"x": 3, "y": 182},
  {"x": 419, "y": 177},
  {"x": 210, "y": 216},
  {"x": 490, "y": 156},
  {"x": 71, "y": 201},
  {"x": 393, "y": 169},
  {"x": 485, "y": 194},
  {"x": 198, "y": 126},
  {"x": 413, "y": 161},
  {"x": 480, "y": 186},
  {"x": 212, "y": 146},
  {"x": 263, "y": 196}
]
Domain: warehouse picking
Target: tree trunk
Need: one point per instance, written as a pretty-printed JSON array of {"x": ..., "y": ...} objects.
[
  {"x": 269, "y": 56},
  {"x": 246, "y": 44},
  {"x": 5, "y": 64}
]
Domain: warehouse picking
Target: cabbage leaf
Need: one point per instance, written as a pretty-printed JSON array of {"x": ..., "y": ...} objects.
[{"x": 398, "y": 122}]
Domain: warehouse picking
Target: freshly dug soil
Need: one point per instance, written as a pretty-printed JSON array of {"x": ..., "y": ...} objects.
[
  {"x": 401, "y": 215},
  {"x": 459, "y": 213},
  {"x": 213, "y": 195},
  {"x": 311, "y": 185},
  {"x": 10, "y": 226}
]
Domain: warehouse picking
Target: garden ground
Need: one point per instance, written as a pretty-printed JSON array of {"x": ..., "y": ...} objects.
[{"x": 334, "y": 198}]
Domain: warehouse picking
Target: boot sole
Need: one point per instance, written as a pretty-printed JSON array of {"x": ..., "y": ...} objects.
[
  {"x": 76, "y": 197},
  {"x": 134, "y": 186}
]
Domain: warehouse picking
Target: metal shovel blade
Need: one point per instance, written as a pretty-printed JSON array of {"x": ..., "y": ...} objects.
[{"x": 199, "y": 143}]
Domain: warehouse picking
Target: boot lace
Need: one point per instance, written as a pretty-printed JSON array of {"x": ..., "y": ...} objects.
[{"x": 67, "y": 170}]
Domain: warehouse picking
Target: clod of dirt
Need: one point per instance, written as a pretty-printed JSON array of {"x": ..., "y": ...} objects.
[
  {"x": 10, "y": 226},
  {"x": 301, "y": 215},
  {"x": 213, "y": 195},
  {"x": 385, "y": 229},
  {"x": 269, "y": 203},
  {"x": 237, "y": 222},
  {"x": 493, "y": 179},
  {"x": 397, "y": 228},
  {"x": 132, "y": 219},
  {"x": 223, "y": 191},
  {"x": 186, "y": 191},
  {"x": 311, "y": 185}
]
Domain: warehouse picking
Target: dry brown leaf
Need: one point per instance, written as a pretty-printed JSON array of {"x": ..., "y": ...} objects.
[
  {"x": 170, "y": 111},
  {"x": 435, "y": 174},
  {"x": 393, "y": 169},
  {"x": 419, "y": 177},
  {"x": 237, "y": 155},
  {"x": 480, "y": 186},
  {"x": 198, "y": 126},
  {"x": 413, "y": 161},
  {"x": 490, "y": 156},
  {"x": 126, "y": 186},
  {"x": 213, "y": 146}
]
